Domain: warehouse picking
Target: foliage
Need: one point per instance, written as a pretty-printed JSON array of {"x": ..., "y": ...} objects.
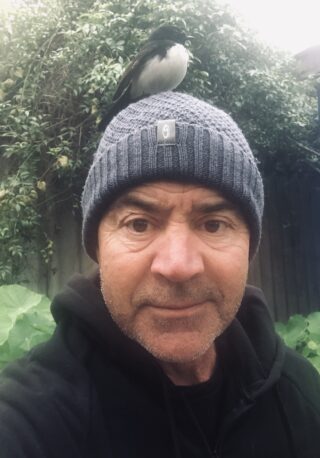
[
  {"x": 303, "y": 335},
  {"x": 25, "y": 320},
  {"x": 60, "y": 62}
]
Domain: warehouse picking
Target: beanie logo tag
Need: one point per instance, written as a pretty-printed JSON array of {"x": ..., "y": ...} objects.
[{"x": 166, "y": 131}]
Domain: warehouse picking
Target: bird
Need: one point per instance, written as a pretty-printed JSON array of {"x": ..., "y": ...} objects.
[{"x": 160, "y": 65}]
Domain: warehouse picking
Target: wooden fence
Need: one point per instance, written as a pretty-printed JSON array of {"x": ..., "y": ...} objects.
[{"x": 287, "y": 267}]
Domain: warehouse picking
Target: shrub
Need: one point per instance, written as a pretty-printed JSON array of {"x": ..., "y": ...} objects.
[{"x": 60, "y": 61}]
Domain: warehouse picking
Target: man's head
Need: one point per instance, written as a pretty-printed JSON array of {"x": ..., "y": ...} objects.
[
  {"x": 172, "y": 136},
  {"x": 172, "y": 212}
]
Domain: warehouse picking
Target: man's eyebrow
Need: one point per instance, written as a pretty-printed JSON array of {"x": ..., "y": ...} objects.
[
  {"x": 215, "y": 207},
  {"x": 152, "y": 207},
  {"x": 132, "y": 201}
]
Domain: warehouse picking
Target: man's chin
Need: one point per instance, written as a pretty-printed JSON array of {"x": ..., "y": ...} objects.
[{"x": 177, "y": 349}]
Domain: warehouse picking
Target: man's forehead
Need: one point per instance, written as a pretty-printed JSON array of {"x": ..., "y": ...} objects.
[{"x": 165, "y": 194}]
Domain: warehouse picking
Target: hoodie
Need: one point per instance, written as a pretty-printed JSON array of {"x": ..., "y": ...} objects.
[{"x": 90, "y": 391}]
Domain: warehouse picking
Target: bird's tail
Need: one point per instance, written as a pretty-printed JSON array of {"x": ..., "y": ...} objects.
[{"x": 115, "y": 108}]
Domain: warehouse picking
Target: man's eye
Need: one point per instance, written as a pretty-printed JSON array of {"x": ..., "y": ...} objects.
[
  {"x": 213, "y": 225},
  {"x": 138, "y": 225}
]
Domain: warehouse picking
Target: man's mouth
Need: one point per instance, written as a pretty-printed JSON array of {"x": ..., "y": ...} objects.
[{"x": 177, "y": 306}]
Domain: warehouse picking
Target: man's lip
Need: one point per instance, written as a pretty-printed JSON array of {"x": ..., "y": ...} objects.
[{"x": 176, "y": 306}]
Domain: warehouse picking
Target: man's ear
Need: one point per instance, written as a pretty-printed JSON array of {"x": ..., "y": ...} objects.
[
  {"x": 98, "y": 253},
  {"x": 93, "y": 275}
]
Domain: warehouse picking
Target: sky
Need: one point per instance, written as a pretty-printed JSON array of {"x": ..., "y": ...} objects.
[{"x": 291, "y": 25}]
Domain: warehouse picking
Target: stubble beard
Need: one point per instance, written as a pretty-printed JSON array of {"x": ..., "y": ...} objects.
[{"x": 164, "y": 293}]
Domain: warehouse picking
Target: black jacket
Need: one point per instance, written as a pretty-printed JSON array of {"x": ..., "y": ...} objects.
[{"x": 92, "y": 392}]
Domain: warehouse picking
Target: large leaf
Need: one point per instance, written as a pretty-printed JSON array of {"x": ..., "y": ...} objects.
[
  {"x": 293, "y": 331},
  {"x": 25, "y": 320},
  {"x": 314, "y": 323}
]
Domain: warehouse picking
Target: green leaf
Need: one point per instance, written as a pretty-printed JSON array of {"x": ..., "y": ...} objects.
[
  {"x": 312, "y": 345},
  {"x": 314, "y": 323},
  {"x": 315, "y": 337},
  {"x": 25, "y": 320},
  {"x": 294, "y": 331}
]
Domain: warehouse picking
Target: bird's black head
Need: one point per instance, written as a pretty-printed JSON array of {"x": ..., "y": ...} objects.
[{"x": 169, "y": 32}]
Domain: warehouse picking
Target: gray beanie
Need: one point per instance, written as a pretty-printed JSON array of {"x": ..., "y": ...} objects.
[{"x": 176, "y": 137}]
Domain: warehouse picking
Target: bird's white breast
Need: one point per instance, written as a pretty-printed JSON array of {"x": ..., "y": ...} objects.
[{"x": 162, "y": 74}]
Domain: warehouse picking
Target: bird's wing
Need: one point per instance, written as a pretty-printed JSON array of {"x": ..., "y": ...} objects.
[{"x": 136, "y": 66}]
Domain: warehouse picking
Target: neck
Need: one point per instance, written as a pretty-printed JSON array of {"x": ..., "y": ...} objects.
[{"x": 191, "y": 372}]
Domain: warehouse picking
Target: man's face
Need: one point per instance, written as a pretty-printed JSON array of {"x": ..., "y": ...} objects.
[{"x": 173, "y": 262}]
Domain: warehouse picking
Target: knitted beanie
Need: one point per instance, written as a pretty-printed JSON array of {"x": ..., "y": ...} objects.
[{"x": 172, "y": 136}]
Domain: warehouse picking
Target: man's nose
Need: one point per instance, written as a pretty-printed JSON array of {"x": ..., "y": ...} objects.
[{"x": 178, "y": 257}]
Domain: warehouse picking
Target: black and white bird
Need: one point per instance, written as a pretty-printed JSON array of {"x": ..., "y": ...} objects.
[{"x": 161, "y": 65}]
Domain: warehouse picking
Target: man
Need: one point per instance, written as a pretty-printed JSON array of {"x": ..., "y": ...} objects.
[{"x": 166, "y": 352}]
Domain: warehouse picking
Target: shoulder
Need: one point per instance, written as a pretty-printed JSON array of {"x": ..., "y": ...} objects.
[
  {"x": 42, "y": 395},
  {"x": 300, "y": 382},
  {"x": 298, "y": 397}
]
